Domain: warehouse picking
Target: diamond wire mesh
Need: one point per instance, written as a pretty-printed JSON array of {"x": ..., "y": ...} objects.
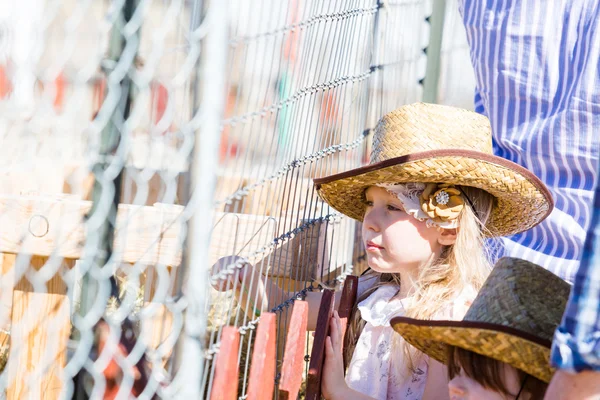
[
  {"x": 103, "y": 235},
  {"x": 100, "y": 109}
]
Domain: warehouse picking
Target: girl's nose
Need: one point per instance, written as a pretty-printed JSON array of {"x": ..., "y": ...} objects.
[
  {"x": 370, "y": 221},
  {"x": 455, "y": 390}
]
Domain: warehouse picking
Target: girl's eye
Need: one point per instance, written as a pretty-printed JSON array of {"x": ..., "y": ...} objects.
[
  {"x": 368, "y": 203},
  {"x": 393, "y": 208}
]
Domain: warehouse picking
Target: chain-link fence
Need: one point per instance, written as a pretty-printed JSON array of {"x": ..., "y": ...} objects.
[{"x": 145, "y": 141}]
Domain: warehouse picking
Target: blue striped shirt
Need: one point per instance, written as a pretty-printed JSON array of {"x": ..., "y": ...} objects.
[
  {"x": 576, "y": 345},
  {"x": 537, "y": 72},
  {"x": 538, "y": 80}
]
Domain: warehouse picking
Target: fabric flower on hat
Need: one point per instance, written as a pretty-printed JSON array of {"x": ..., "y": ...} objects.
[
  {"x": 442, "y": 202},
  {"x": 437, "y": 204}
]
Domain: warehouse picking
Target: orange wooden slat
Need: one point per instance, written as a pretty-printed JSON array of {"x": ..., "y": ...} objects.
[
  {"x": 261, "y": 381},
  {"x": 317, "y": 356},
  {"x": 225, "y": 384},
  {"x": 293, "y": 358},
  {"x": 40, "y": 327}
]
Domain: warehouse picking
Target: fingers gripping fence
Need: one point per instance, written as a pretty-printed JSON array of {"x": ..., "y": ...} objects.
[{"x": 160, "y": 233}]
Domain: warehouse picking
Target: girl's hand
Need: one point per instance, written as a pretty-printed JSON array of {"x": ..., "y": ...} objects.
[
  {"x": 333, "y": 384},
  {"x": 228, "y": 282}
]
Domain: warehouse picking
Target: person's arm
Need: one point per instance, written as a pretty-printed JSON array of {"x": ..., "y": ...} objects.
[
  {"x": 436, "y": 385},
  {"x": 564, "y": 385},
  {"x": 576, "y": 345}
]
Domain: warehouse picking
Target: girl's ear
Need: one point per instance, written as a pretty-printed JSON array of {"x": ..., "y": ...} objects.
[{"x": 447, "y": 236}]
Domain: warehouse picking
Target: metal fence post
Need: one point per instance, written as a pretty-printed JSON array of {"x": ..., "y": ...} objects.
[
  {"x": 434, "y": 49},
  {"x": 213, "y": 59},
  {"x": 106, "y": 193}
]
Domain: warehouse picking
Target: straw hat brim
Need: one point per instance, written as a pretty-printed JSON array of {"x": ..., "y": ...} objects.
[
  {"x": 519, "y": 349},
  {"x": 522, "y": 200}
]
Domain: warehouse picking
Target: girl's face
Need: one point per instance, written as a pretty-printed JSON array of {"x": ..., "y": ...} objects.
[
  {"x": 395, "y": 241},
  {"x": 461, "y": 387}
]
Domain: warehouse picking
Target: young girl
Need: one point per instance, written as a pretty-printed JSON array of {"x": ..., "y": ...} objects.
[
  {"x": 501, "y": 349},
  {"x": 430, "y": 196}
]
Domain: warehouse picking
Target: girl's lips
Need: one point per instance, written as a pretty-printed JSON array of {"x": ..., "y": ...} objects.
[{"x": 370, "y": 246}]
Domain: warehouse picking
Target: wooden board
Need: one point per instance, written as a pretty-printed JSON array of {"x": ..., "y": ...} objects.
[
  {"x": 225, "y": 384},
  {"x": 317, "y": 356},
  {"x": 347, "y": 301},
  {"x": 240, "y": 234},
  {"x": 40, "y": 328},
  {"x": 156, "y": 329},
  {"x": 261, "y": 382},
  {"x": 157, "y": 319},
  {"x": 300, "y": 258},
  {"x": 45, "y": 225},
  {"x": 293, "y": 356},
  {"x": 7, "y": 284}
]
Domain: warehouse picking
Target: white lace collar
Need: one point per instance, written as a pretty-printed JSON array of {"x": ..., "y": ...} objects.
[{"x": 380, "y": 307}]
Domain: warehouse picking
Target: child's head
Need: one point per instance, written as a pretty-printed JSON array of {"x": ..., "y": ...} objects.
[
  {"x": 502, "y": 346},
  {"x": 477, "y": 377},
  {"x": 441, "y": 247}
]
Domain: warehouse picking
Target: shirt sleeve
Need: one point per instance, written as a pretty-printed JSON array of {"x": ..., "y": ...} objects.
[
  {"x": 576, "y": 345},
  {"x": 478, "y": 102}
]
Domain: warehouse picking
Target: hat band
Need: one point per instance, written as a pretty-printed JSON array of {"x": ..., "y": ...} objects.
[{"x": 439, "y": 205}]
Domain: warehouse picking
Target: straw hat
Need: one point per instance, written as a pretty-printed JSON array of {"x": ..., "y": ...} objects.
[
  {"x": 439, "y": 144},
  {"x": 512, "y": 319}
]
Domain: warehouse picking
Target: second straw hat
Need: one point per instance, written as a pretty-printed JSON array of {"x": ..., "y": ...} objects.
[{"x": 512, "y": 319}]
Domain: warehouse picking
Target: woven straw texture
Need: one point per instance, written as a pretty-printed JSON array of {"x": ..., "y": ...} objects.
[
  {"x": 512, "y": 319},
  {"x": 421, "y": 127},
  {"x": 439, "y": 144}
]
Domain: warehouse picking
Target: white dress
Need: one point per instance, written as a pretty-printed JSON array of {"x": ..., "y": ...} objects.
[{"x": 374, "y": 369}]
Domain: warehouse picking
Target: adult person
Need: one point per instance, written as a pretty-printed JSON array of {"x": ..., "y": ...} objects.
[{"x": 537, "y": 66}]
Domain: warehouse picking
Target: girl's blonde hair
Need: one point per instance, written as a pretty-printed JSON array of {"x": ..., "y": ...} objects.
[{"x": 460, "y": 266}]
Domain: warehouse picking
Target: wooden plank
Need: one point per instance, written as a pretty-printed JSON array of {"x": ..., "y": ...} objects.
[
  {"x": 40, "y": 328},
  {"x": 156, "y": 324},
  {"x": 347, "y": 301},
  {"x": 293, "y": 356},
  {"x": 331, "y": 259},
  {"x": 261, "y": 382},
  {"x": 225, "y": 384},
  {"x": 7, "y": 284},
  {"x": 298, "y": 258},
  {"x": 240, "y": 234},
  {"x": 155, "y": 328},
  {"x": 317, "y": 356},
  {"x": 46, "y": 225}
]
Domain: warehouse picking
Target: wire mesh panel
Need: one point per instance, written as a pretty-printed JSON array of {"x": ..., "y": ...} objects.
[
  {"x": 307, "y": 81},
  {"x": 156, "y": 179},
  {"x": 104, "y": 135}
]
